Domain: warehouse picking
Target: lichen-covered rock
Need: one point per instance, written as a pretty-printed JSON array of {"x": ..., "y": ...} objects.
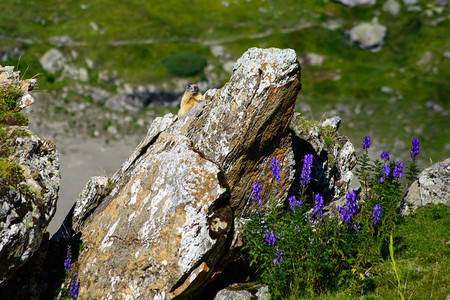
[
  {"x": 245, "y": 124},
  {"x": 166, "y": 227},
  {"x": 27, "y": 199},
  {"x": 162, "y": 232},
  {"x": 239, "y": 291},
  {"x": 10, "y": 79},
  {"x": 432, "y": 187}
]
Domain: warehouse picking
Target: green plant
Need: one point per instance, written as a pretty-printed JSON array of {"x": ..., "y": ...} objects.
[
  {"x": 300, "y": 251},
  {"x": 399, "y": 284},
  {"x": 10, "y": 97},
  {"x": 184, "y": 63}
]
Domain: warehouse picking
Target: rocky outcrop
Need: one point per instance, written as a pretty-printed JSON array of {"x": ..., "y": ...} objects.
[
  {"x": 29, "y": 177},
  {"x": 28, "y": 202},
  {"x": 431, "y": 187},
  {"x": 163, "y": 226}
]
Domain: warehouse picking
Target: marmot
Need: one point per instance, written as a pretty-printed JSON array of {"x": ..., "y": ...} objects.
[{"x": 191, "y": 97}]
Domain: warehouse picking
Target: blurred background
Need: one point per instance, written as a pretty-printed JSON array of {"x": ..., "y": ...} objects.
[{"x": 107, "y": 68}]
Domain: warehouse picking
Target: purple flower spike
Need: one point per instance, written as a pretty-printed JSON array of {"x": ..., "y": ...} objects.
[
  {"x": 74, "y": 286},
  {"x": 414, "y": 148},
  {"x": 366, "y": 143},
  {"x": 275, "y": 168},
  {"x": 350, "y": 208},
  {"x": 386, "y": 170},
  {"x": 385, "y": 155},
  {"x": 376, "y": 213},
  {"x": 318, "y": 206},
  {"x": 294, "y": 203},
  {"x": 68, "y": 260},
  {"x": 398, "y": 170},
  {"x": 270, "y": 237},
  {"x": 305, "y": 177},
  {"x": 257, "y": 193}
]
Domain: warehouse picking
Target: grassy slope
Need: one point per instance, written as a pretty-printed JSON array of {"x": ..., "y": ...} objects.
[
  {"x": 156, "y": 28},
  {"x": 421, "y": 254}
]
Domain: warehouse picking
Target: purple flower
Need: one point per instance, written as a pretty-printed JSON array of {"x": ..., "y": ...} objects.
[
  {"x": 386, "y": 170},
  {"x": 275, "y": 169},
  {"x": 356, "y": 227},
  {"x": 414, "y": 148},
  {"x": 278, "y": 256},
  {"x": 385, "y": 155},
  {"x": 294, "y": 203},
  {"x": 366, "y": 143},
  {"x": 347, "y": 211},
  {"x": 270, "y": 237},
  {"x": 376, "y": 213},
  {"x": 305, "y": 177},
  {"x": 398, "y": 170},
  {"x": 257, "y": 193},
  {"x": 68, "y": 260},
  {"x": 318, "y": 205},
  {"x": 74, "y": 286}
]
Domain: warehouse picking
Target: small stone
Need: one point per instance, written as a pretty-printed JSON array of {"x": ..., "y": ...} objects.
[
  {"x": 52, "y": 61},
  {"x": 392, "y": 6},
  {"x": 353, "y": 3},
  {"x": 370, "y": 36}
]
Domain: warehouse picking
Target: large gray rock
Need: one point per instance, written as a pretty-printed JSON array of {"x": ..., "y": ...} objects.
[
  {"x": 28, "y": 202},
  {"x": 432, "y": 187},
  {"x": 163, "y": 225}
]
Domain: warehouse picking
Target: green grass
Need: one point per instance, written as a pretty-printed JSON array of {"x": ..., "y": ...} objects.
[
  {"x": 134, "y": 37},
  {"x": 421, "y": 252}
]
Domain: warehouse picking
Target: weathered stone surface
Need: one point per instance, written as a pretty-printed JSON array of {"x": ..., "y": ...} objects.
[
  {"x": 244, "y": 124},
  {"x": 432, "y": 187},
  {"x": 166, "y": 226},
  {"x": 27, "y": 206},
  {"x": 369, "y": 35},
  {"x": 150, "y": 238},
  {"x": 246, "y": 291},
  {"x": 10, "y": 78}
]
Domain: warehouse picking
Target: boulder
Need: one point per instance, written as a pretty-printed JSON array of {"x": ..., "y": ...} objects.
[
  {"x": 52, "y": 61},
  {"x": 245, "y": 291},
  {"x": 369, "y": 35},
  {"x": 28, "y": 201},
  {"x": 431, "y": 187},
  {"x": 164, "y": 225}
]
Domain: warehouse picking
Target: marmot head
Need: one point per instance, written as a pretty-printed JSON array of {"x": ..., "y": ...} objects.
[{"x": 193, "y": 88}]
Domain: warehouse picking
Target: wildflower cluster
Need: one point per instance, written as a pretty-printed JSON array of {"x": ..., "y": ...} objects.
[{"x": 304, "y": 249}]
